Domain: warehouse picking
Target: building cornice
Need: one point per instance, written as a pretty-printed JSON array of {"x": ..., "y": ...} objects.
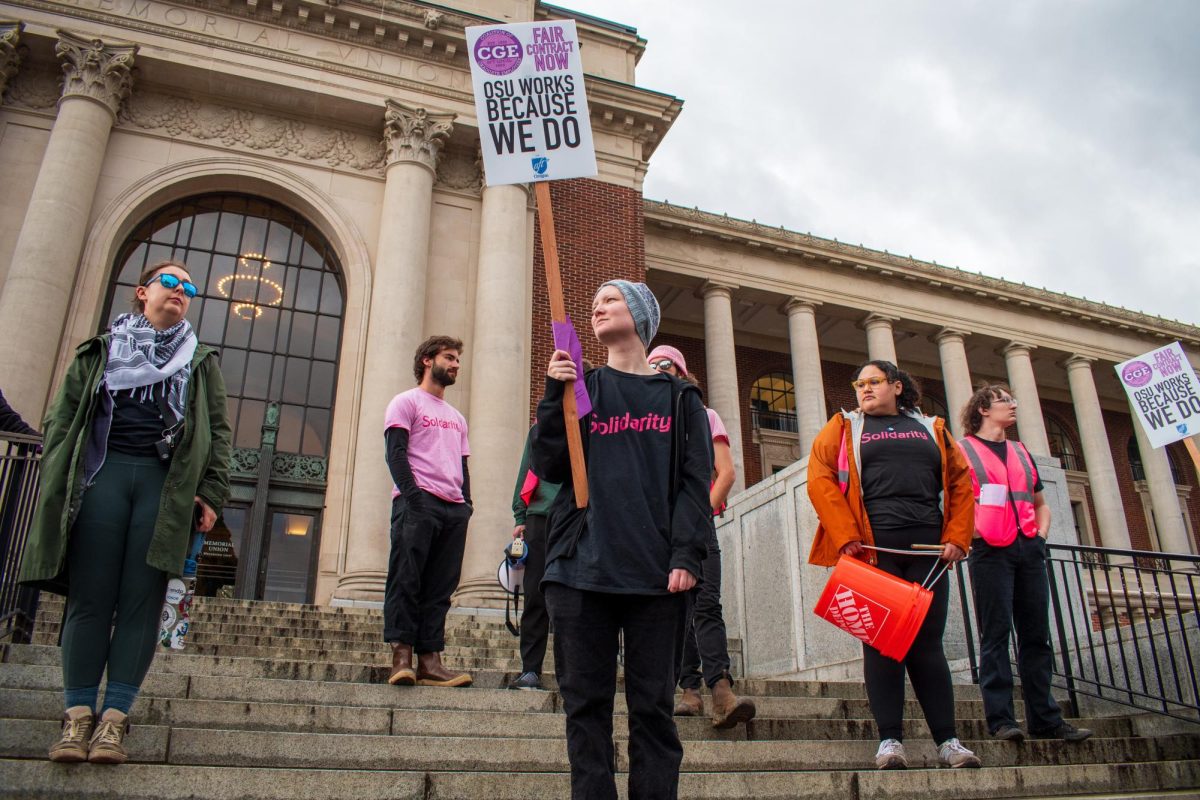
[{"x": 933, "y": 276}]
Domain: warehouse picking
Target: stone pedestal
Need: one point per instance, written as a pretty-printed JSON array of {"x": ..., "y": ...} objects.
[{"x": 37, "y": 290}]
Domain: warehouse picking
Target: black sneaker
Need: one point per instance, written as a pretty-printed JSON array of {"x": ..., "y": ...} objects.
[
  {"x": 1009, "y": 733},
  {"x": 527, "y": 681},
  {"x": 1065, "y": 731}
]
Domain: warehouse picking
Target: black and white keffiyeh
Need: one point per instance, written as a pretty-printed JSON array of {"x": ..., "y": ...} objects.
[{"x": 140, "y": 357}]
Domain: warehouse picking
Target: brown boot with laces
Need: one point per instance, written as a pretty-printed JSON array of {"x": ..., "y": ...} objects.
[
  {"x": 108, "y": 742},
  {"x": 728, "y": 708},
  {"x": 78, "y": 722},
  {"x": 402, "y": 671},
  {"x": 431, "y": 672},
  {"x": 690, "y": 704}
]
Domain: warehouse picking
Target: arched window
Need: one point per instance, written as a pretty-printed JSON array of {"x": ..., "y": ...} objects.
[
  {"x": 270, "y": 299},
  {"x": 1061, "y": 446},
  {"x": 1138, "y": 469},
  {"x": 773, "y": 402}
]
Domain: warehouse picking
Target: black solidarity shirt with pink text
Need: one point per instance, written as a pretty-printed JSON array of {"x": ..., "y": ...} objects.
[{"x": 901, "y": 474}]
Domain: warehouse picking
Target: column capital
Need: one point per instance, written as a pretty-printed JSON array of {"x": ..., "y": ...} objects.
[
  {"x": 415, "y": 135},
  {"x": 10, "y": 51},
  {"x": 949, "y": 335},
  {"x": 797, "y": 305},
  {"x": 1017, "y": 348},
  {"x": 95, "y": 70},
  {"x": 716, "y": 287},
  {"x": 1076, "y": 362},
  {"x": 876, "y": 320}
]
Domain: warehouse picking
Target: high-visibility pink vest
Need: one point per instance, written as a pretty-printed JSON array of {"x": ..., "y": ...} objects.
[{"x": 995, "y": 519}]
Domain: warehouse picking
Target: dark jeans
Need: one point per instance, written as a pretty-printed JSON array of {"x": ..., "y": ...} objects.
[
  {"x": 106, "y": 562},
  {"x": 704, "y": 641},
  {"x": 587, "y": 629},
  {"x": 1011, "y": 590},
  {"x": 925, "y": 663},
  {"x": 423, "y": 570},
  {"x": 535, "y": 622}
]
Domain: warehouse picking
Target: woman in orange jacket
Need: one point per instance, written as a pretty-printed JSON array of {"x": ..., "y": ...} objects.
[{"x": 887, "y": 476}]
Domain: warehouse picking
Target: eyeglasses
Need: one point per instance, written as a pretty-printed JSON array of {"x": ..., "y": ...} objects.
[
  {"x": 1008, "y": 401},
  {"x": 863, "y": 383},
  {"x": 170, "y": 282},
  {"x": 663, "y": 364}
]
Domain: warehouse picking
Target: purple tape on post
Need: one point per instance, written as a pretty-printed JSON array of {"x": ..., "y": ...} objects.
[{"x": 565, "y": 338}]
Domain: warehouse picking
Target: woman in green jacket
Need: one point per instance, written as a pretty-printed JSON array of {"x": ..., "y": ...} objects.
[{"x": 136, "y": 455}]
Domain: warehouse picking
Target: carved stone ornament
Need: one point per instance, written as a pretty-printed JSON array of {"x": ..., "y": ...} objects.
[
  {"x": 415, "y": 134},
  {"x": 433, "y": 19},
  {"x": 10, "y": 53},
  {"x": 244, "y": 461},
  {"x": 93, "y": 69},
  {"x": 242, "y": 128},
  {"x": 458, "y": 170},
  {"x": 295, "y": 467}
]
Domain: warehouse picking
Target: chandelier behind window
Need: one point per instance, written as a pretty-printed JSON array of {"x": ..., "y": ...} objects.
[{"x": 247, "y": 283}]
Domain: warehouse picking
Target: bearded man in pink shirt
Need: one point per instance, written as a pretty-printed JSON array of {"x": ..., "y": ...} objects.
[{"x": 431, "y": 505}]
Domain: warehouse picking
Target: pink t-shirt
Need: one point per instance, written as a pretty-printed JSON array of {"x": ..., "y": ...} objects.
[
  {"x": 437, "y": 441},
  {"x": 717, "y": 427}
]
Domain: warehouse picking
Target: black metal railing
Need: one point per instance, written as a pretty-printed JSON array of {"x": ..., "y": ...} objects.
[
  {"x": 20, "y": 457},
  {"x": 1126, "y": 623},
  {"x": 774, "y": 421}
]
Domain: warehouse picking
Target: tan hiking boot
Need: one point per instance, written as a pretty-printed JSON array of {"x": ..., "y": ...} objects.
[
  {"x": 78, "y": 722},
  {"x": 402, "y": 671},
  {"x": 690, "y": 704},
  {"x": 108, "y": 742},
  {"x": 729, "y": 709},
  {"x": 431, "y": 672}
]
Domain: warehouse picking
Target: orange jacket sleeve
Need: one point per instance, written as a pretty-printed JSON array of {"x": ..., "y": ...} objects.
[
  {"x": 838, "y": 524},
  {"x": 959, "y": 498}
]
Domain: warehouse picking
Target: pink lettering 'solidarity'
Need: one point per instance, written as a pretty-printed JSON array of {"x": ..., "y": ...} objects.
[{"x": 650, "y": 423}]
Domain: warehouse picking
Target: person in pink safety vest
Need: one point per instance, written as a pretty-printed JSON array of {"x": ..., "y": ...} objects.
[{"x": 1008, "y": 571}]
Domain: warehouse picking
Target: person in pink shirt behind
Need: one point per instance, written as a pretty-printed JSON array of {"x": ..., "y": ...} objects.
[
  {"x": 705, "y": 642},
  {"x": 427, "y": 454}
]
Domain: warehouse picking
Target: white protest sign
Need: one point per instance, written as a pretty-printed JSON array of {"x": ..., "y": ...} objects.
[
  {"x": 1164, "y": 393},
  {"x": 530, "y": 102}
]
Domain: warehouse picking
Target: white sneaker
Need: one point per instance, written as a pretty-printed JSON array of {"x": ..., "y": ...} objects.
[
  {"x": 891, "y": 755},
  {"x": 952, "y": 753}
]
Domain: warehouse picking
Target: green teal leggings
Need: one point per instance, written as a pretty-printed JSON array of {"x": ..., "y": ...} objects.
[{"x": 106, "y": 559}]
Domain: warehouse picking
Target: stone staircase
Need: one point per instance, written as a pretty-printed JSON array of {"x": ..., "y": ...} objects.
[{"x": 274, "y": 701}]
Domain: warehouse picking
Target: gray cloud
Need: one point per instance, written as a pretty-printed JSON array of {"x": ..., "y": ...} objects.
[{"x": 1055, "y": 143}]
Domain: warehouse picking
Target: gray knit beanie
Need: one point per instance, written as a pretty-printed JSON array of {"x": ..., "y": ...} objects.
[{"x": 643, "y": 306}]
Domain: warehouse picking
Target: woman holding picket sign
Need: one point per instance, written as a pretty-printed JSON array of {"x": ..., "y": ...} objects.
[
  {"x": 882, "y": 479},
  {"x": 136, "y": 454}
]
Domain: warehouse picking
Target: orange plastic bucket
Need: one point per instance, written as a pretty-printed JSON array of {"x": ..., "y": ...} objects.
[{"x": 869, "y": 604}]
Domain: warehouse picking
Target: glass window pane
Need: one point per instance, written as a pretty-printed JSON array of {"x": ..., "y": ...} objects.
[
  {"x": 258, "y": 372},
  {"x": 291, "y": 419},
  {"x": 204, "y": 231},
  {"x": 308, "y": 291},
  {"x": 263, "y": 337},
  {"x": 303, "y": 327},
  {"x": 229, "y": 233},
  {"x": 249, "y": 425},
  {"x": 166, "y": 233},
  {"x": 197, "y": 264},
  {"x": 316, "y": 432},
  {"x": 212, "y": 322},
  {"x": 233, "y": 365},
  {"x": 278, "y": 364},
  {"x": 158, "y": 252},
  {"x": 295, "y": 386},
  {"x": 331, "y": 295},
  {"x": 254, "y": 237},
  {"x": 327, "y": 338},
  {"x": 312, "y": 256},
  {"x": 134, "y": 263},
  {"x": 320, "y": 384},
  {"x": 237, "y": 332},
  {"x": 279, "y": 240},
  {"x": 289, "y": 556}
]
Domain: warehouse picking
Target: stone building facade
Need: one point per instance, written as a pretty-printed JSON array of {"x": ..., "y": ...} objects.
[{"x": 316, "y": 165}]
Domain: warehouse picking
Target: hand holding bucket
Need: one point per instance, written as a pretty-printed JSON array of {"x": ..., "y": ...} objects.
[{"x": 877, "y": 608}]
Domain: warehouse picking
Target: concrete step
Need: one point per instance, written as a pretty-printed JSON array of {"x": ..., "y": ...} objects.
[{"x": 24, "y": 738}]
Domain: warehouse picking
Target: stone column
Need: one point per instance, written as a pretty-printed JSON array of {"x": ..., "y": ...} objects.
[
  {"x": 720, "y": 356},
  {"x": 33, "y": 307},
  {"x": 10, "y": 53},
  {"x": 1021, "y": 380},
  {"x": 414, "y": 138},
  {"x": 1102, "y": 475},
  {"x": 806, "y": 369},
  {"x": 881, "y": 345},
  {"x": 1168, "y": 516},
  {"x": 499, "y": 370},
  {"x": 956, "y": 375}
]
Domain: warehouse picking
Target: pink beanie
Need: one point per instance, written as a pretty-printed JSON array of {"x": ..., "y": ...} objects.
[{"x": 666, "y": 351}]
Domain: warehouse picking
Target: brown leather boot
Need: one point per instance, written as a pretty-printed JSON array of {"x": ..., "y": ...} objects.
[
  {"x": 402, "y": 671},
  {"x": 690, "y": 704},
  {"x": 431, "y": 672},
  {"x": 728, "y": 708},
  {"x": 78, "y": 723}
]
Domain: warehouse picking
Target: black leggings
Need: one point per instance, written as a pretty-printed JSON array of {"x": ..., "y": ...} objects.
[{"x": 925, "y": 663}]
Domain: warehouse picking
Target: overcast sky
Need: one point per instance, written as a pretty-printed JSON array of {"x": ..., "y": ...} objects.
[{"x": 1045, "y": 141}]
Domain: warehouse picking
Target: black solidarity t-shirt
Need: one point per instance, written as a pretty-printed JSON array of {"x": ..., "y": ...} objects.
[
  {"x": 901, "y": 469},
  {"x": 626, "y": 545}
]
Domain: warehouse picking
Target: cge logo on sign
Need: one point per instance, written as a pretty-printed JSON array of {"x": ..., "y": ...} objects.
[
  {"x": 498, "y": 52},
  {"x": 1137, "y": 373}
]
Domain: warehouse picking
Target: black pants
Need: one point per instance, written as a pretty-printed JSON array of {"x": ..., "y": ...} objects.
[
  {"x": 535, "y": 622},
  {"x": 423, "y": 570},
  {"x": 704, "y": 641},
  {"x": 106, "y": 560},
  {"x": 587, "y": 627},
  {"x": 1011, "y": 590},
  {"x": 925, "y": 663}
]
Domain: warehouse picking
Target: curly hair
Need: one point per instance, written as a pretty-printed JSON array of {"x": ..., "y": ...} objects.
[
  {"x": 430, "y": 349},
  {"x": 984, "y": 396},
  {"x": 910, "y": 392}
]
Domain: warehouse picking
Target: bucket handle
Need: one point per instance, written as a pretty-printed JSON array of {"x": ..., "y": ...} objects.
[{"x": 919, "y": 550}]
